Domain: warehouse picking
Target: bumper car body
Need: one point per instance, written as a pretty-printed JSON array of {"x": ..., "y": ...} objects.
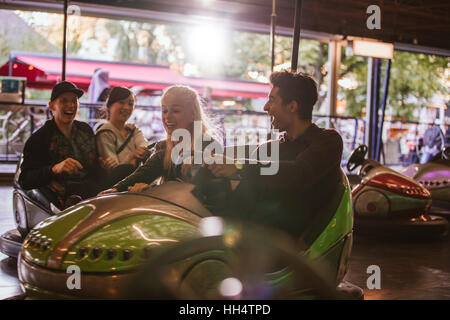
[
  {"x": 112, "y": 238},
  {"x": 435, "y": 176},
  {"x": 390, "y": 204}
]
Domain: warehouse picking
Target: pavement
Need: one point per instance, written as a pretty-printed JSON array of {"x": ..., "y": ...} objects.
[
  {"x": 417, "y": 270},
  {"x": 9, "y": 284}
]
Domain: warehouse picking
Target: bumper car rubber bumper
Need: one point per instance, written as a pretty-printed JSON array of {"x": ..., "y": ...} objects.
[
  {"x": 434, "y": 227},
  {"x": 43, "y": 283},
  {"x": 440, "y": 208},
  {"x": 11, "y": 243}
]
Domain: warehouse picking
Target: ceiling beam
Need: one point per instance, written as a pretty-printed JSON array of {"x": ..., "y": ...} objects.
[{"x": 402, "y": 21}]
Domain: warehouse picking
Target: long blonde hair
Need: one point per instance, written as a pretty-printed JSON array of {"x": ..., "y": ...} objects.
[{"x": 192, "y": 100}]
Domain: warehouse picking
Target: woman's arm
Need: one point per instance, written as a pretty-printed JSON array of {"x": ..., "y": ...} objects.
[
  {"x": 147, "y": 173},
  {"x": 140, "y": 140},
  {"x": 140, "y": 143},
  {"x": 106, "y": 145}
]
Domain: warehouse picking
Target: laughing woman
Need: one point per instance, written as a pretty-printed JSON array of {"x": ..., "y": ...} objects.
[
  {"x": 120, "y": 145},
  {"x": 180, "y": 107}
]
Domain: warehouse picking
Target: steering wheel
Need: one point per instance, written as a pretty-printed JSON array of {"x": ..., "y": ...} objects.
[
  {"x": 357, "y": 157},
  {"x": 214, "y": 192}
]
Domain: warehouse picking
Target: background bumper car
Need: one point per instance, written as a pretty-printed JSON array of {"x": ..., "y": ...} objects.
[
  {"x": 388, "y": 204},
  {"x": 29, "y": 208},
  {"x": 435, "y": 176}
]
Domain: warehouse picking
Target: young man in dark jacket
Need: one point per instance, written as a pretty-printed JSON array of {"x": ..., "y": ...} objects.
[
  {"x": 309, "y": 160},
  {"x": 60, "y": 158}
]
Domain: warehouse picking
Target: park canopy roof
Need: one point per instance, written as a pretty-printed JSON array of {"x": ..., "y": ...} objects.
[
  {"x": 44, "y": 71},
  {"x": 408, "y": 24}
]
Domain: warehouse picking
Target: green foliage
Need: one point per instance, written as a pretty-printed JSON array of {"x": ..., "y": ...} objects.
[
  {"x": 5, "y": 49},
  {"x": 415, "y": 79},
  {"x": 313, "y": 58},
  {"x": 38, "y": 95},
  {"x": 17, "y": 36},
  {"x": 252, "y": 57},
  {"x": 125, "y": 32},
  {"x": 356, "y": 68}
]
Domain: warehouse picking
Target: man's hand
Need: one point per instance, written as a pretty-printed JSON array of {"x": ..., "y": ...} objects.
[
  {"x": 227, "y": 169},
  {"x": 69, "y": 166},
  {"x": 109, "y": 163},
  {"x": 138, "y": 187},
  {"x": 222, "y": 170},
  {"x": 112, "y": 190}
]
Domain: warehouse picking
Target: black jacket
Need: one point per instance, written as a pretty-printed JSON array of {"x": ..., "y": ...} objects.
[
  {"x": 309, "y": 171},
  {"x": 48, "y": 146}
]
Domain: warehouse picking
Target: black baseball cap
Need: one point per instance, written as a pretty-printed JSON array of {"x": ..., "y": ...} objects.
[{"x": 63, "y": 87}]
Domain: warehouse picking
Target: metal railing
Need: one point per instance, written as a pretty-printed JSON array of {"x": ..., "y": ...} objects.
[
  {"x": 401, "y": 140},
  {"x": 237, "y": 126}
]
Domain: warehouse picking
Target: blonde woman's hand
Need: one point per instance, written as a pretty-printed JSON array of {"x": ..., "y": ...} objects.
[
  {"x": 138, "y": 153},
  {"x": 141, "y": 152},
  {"x": 138, "y": 187},
  {"x": 112, "y": 190},
  {"x": 222, "y": 170}
]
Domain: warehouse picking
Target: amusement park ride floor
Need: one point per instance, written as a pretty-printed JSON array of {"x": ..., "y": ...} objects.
[{"x": 418, "y": 270}]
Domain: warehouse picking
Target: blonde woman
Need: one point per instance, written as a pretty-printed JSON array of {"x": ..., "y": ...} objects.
[{"x": 180, "y": 107}]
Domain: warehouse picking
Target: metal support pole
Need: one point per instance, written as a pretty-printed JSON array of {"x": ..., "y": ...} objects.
[
  {"x": 334, "y": 61},
  {"x": 296, "y": 41},
  {"x": 64, "y": 49},
  {"x": 383, "y": 108},
  {"x": 31, "y": 122},
  {"x": 442, "y": 119},
  {"x": 374, "y": 109},
  {"x": 11, "y": 62},
  {"x": 368, "y": 101},
  {"x": 273, "y": 21}
]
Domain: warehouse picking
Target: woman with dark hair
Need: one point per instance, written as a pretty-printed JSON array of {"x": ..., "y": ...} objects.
[{"x": 121, "y": 146}]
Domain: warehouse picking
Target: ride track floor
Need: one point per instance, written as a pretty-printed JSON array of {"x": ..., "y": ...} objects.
[{"x": 409, "y": 270}]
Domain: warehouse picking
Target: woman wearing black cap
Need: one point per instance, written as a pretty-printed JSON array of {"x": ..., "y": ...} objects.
[
  {"x": 60, "y": 158},
  {"x": 121, "y": 146}
]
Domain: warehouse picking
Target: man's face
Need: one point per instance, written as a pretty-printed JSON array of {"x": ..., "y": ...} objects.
[
  {"x": 279, "y": 113},
  {"x": 64, "y": 108}
]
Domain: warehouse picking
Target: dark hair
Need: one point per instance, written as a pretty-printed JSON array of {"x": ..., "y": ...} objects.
[
  {"x": 299, "y": 87},
  {"x": 117, "y": 94}
]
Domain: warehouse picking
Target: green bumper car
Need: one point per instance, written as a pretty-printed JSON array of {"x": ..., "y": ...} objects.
[{"x": 165, "y": 243}]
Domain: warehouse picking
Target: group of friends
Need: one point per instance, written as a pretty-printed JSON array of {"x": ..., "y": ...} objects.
[{"x": 68, "y": 162}]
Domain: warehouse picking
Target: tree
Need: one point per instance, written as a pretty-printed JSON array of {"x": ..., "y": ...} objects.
[
  {"x": 355, "y": 68},
  {"x": 16, "y": 35},
  {"x": 414, "y": 80},
  {"x": 127, "y": 46}
]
